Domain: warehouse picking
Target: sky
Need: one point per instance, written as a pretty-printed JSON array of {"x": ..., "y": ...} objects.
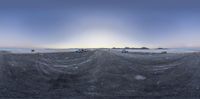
[{"x": 99, "y": 23}]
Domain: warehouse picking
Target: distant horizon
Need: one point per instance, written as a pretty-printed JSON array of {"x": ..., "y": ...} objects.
[{"x": 98, "y": 47}]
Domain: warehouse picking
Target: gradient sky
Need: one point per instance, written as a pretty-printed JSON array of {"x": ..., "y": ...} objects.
[{"x": 99, "y": 23}]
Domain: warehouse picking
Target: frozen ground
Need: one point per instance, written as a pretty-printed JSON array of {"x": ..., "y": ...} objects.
[
  {"x": 101, "y": 73},
  {"x": 170, "y": 50},
  {"x": 28, "y": 50}
]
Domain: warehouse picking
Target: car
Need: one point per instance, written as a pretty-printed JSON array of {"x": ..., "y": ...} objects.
[
  {"x": 81, "y": 50},
  {"x": 84, "y": 50},
  {"x": 32, "y": 50},
  {"x": 164, "y": 52},
  {"x": 124, "y": 51}
]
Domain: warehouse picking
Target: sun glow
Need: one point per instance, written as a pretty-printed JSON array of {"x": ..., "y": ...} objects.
[
  {"x": 93, "y": 39},
  {"x": 99, "y": 38}
]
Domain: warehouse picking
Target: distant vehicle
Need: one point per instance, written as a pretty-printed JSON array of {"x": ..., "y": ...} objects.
[
  {"x": 32, "y": 50},
  {"x": 85, "y": 50},
  {"x": 81, "y": 50},
  {"x": 124, "y": 51},
  {"x": 164, "y": 52},
  {"x": 161, "y": 48}
]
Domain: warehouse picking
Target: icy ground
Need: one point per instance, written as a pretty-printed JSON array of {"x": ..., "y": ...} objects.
[
  {"x": 28, "y": 50},
  {"x": 99, "y": 74},
  {"x": 170, "y": 50}
]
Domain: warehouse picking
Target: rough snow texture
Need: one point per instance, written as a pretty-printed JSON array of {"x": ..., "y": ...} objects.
[{"x": 99, "y": 74}]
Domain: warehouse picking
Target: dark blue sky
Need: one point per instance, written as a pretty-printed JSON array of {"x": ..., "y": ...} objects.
[{"x": 99, "y": 23}]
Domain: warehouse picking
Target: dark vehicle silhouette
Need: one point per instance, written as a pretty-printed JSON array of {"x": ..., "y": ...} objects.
[
  {"x": 124, "y": 51},
  {"x": 32, "y": 50},
  {"x": 164, "y": 52},
  {"x": 81, "y": 50}
]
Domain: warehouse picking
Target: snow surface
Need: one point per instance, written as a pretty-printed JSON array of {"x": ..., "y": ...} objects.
[
  {"x": 170, "y": 50},
  {"x": 28, "y": 50},
  {"x": 101, "y": 72}
]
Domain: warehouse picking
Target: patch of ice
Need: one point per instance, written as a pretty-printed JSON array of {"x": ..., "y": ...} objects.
[
  {"x": 140, "y": 77},
  {"x": 76, "y": 67}
]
